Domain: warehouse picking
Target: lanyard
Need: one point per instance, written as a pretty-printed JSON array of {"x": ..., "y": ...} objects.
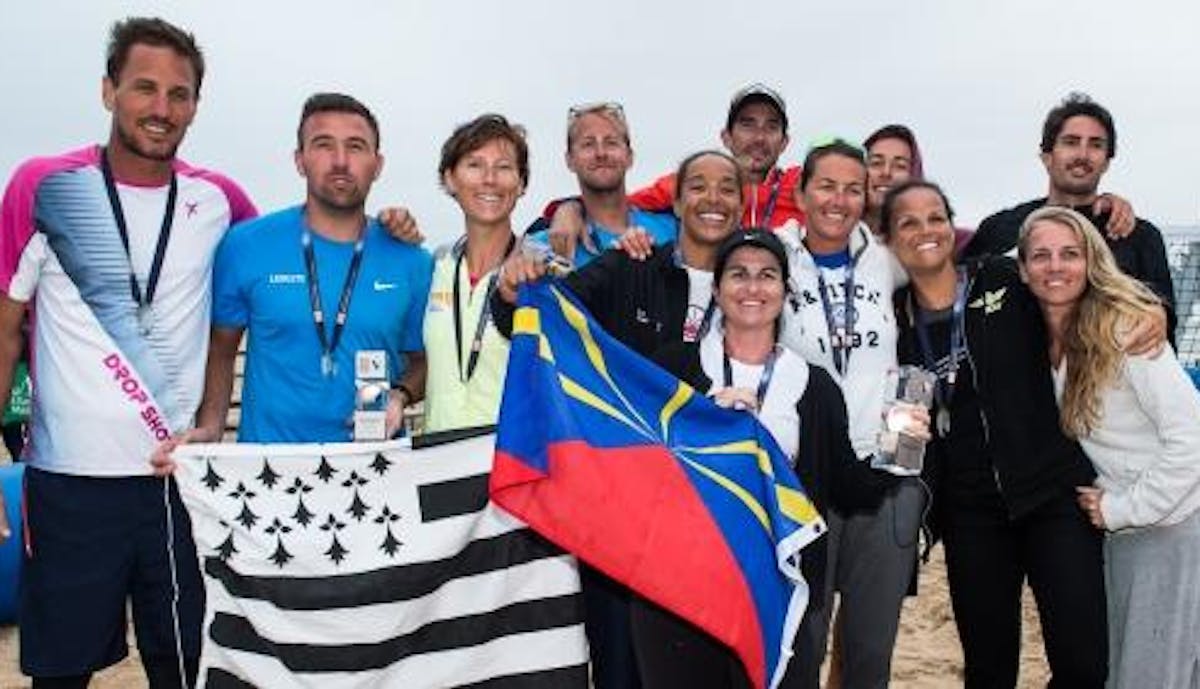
[
  {"x": 841, "y": 337},
  {"x": 764, "y": 381},
  {"x": 706, "y": 320},
  {"x": 484, "y": 313},
  {"x": 944, "y": 390},
  {"x": 771, "y": 199},
  {"x": 328, "y": 346},
  {"x": 160, "y": 249}
]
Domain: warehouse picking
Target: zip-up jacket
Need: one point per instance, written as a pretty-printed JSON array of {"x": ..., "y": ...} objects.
[
  {"x": 1031, "y": 458},
  {"x": 805, "y": 328}
]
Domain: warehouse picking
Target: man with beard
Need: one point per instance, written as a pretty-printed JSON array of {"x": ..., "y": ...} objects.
[
  {"x": 314, "y": 284},
  {"x": 1079, "y": 140},
  {"x": 756, "y": 134},
  {"x": 112, "y": 245},
  {"x": 600, "y": 154}
]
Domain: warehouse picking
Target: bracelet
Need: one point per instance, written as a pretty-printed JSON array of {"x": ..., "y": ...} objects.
[{"x": 409, "y": 398}]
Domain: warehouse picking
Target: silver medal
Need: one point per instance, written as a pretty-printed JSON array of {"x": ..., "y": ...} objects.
[
  {"x": 327, "y": 368},
  {"x": 145, "y": 319}
]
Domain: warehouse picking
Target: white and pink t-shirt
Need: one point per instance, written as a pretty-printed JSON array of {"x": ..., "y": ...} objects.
[{"x": 104, "y": 392}]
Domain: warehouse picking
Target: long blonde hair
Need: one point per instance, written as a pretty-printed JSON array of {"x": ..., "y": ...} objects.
[{"x": 1110, "y": 304}]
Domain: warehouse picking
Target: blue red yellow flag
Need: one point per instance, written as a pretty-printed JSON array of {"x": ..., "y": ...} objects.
[{"x": 692, "y": 506}]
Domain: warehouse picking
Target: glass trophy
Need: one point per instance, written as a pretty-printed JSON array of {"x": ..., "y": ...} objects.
[
  {"x": 901, "y": 453},
  {"x": 372, "y": 386}
]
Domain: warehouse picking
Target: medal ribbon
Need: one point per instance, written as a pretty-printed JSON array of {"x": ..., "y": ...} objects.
[
  {"x": 328, "y": 346},
  {"x": 764, "y": 381},
  {"x": 484, "y": 313},
  {"x": 164, "y": 234},
  {"x": 841, "y": 339},
  {"x": 772, "y": 198},
  {"x": 943, "y": 392}
]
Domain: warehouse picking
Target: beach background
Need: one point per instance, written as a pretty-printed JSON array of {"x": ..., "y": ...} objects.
[{"x": 927, "y": 654}]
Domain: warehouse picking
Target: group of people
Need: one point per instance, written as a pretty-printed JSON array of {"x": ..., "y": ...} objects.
[{"x": 1059, "y": 413}]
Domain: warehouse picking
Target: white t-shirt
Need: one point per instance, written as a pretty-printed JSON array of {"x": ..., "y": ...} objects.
[
  {"x": 789, "y": 380},
  {"x": 105, "y": 392},
  {"x": 700, "y": 296}
]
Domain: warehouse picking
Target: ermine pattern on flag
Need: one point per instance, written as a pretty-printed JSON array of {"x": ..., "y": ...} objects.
[{"x": 374, "y": 565}]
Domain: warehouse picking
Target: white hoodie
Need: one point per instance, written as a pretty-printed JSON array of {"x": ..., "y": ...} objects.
[{"x": 806, "y": 330}]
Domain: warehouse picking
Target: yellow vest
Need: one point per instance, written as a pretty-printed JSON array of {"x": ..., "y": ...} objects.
[{"x": 451, "y": 400}]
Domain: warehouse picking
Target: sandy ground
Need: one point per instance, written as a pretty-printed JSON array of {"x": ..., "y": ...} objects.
[{"x": 927, "y": 653}]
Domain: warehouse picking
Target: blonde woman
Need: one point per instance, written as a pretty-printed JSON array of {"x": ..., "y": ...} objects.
[{"x": 1138, "y": 419}]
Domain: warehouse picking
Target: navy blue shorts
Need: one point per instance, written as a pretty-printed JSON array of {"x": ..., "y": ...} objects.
[{"x": 95, "y": 543}]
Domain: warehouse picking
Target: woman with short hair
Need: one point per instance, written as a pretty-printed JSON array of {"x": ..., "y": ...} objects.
[{"x": 485, "y": 168}]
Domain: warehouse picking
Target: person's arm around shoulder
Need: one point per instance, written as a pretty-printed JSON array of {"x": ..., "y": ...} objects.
[
  {"x": 1155, "y": 271},
  {"x": 1121, "y": 221},
  {"x": 1167, "y": 396},
  {"x": 657, "y": 197},
  {"x": 989, "y": 238},
  {"x": 400, "y": 224}
]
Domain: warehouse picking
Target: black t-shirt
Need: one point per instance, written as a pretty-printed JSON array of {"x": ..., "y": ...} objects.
[{"x": 1142, "y": 254}]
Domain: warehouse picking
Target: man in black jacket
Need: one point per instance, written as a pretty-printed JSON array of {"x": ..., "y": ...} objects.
[{"x": 1079, "y": 141}]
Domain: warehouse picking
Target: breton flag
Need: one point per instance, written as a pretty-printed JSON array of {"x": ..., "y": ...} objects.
[
  {"x": 374, "y": 565},
  {"x": 692, "y": 506}
]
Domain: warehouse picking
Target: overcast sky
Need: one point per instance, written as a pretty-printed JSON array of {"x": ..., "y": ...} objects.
[{"x": 974, "y": 79}]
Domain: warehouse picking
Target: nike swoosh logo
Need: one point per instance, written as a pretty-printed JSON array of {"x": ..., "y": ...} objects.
[{"x": 381, "y": 286}]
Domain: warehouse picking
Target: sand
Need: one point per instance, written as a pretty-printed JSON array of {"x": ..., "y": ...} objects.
[{"x": 927, "y": 653}]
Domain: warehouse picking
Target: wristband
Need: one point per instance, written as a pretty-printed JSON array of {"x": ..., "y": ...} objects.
[{"x": 409, "y": 398}]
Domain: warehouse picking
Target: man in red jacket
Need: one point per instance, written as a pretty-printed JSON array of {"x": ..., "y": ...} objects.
[{"x": 756, "y": 134}]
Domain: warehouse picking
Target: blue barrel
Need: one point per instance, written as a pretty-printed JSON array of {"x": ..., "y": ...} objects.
[
  {"x": 11, "y": 551},
  {"x": 1194, "y": 372}
]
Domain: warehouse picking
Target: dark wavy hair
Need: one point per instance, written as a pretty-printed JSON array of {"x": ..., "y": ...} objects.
[
  {"x": 151, "y": 31},
  {"x": 1077, "y": 104}
]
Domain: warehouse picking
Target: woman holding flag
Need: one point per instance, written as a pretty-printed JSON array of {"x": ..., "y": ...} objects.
[
  {"x": 740, "y": 363},
  {"x": 645, "y": 305}
]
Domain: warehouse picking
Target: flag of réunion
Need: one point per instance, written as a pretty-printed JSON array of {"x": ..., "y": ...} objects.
[{"x": 692, "y": 506}]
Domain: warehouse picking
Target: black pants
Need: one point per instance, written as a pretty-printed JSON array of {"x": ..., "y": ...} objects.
[
  {"x": 988, "y": 556},
  {"x": 674, "y": 654},
  {"x": 606, "y": 621}
]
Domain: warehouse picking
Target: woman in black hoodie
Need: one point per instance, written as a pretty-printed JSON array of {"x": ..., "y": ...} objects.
[{"x": 1004, "y": 474}]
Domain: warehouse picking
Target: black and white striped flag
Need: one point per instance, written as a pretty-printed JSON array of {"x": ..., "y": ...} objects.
[{"x": 340, "y": 566}]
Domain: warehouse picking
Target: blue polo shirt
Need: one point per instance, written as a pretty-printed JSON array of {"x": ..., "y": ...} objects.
[{"x": 259, "y": 283}]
